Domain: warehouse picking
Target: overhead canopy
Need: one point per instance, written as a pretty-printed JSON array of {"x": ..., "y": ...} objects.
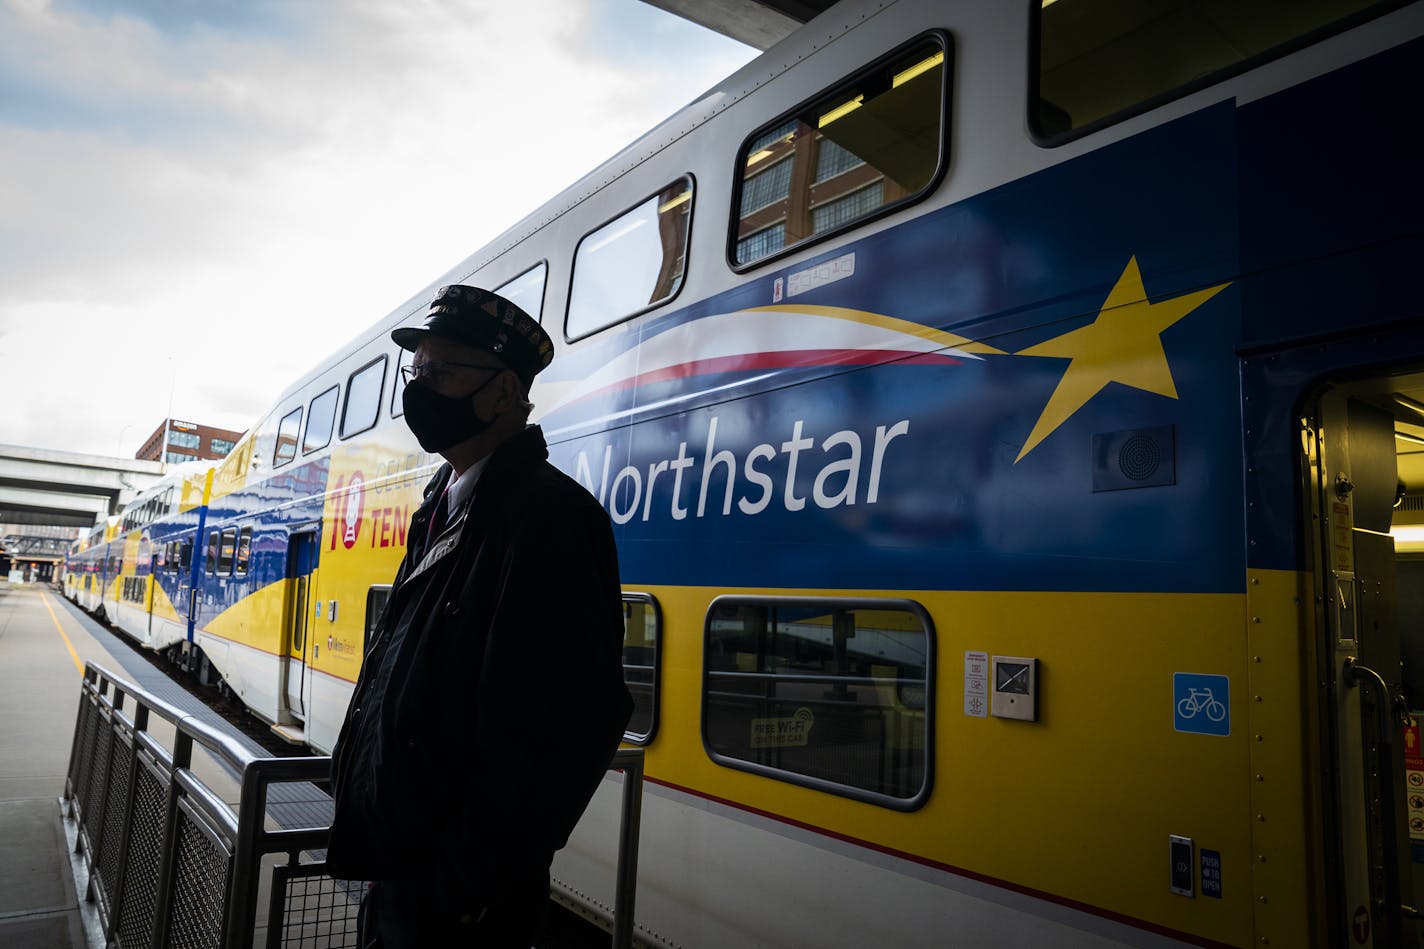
[
  {"x": 67, "y": 489},
  {"x": 758, "y": 23}
]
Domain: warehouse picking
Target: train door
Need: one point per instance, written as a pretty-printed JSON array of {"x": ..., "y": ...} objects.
[
  {"x": 301, "y": 559},
  {"x": 1361, "y": 444},
  {"x": 152, "y": 592},
  {"x": 185, "y": 600}
]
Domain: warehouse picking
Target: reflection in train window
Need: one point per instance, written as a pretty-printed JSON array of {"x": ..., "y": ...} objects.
[
  {"x": 871, "y": 144},
  {"x": 244, "y": 552},
  {"x": 211, "y": 561},
  {"x": 287, "y": 438},
  {"x": 227, "y": 547},
  {"x": 321, "y": 417},
  {"x": 363, "y": 397},
  {"x": 526, "y": 291},
  {"x": 632, "y": 263},
  {"x": 833, "y": 694},
  {"x": 376, "y": 599},
  {"x": 641, "y": 626},
  {"x": 1099, "y": 60}
]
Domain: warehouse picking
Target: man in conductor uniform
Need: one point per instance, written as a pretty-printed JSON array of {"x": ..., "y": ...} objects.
[{"x": 491, "y": 698}]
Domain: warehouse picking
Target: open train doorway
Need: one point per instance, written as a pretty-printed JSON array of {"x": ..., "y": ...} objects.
[{"x": 1364, "y": 447}]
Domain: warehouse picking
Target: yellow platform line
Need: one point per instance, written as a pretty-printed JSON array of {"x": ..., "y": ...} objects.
[{"x": 44, "y": 597}]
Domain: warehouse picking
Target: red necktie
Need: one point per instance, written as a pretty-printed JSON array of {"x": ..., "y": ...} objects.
[{"x": 438, "y": 517}]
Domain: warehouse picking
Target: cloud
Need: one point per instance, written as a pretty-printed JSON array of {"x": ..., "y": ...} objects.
[{"x": 212, "y": 197}]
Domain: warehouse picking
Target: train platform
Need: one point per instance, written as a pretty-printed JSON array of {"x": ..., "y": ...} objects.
[{"x": 44, "y": 643}]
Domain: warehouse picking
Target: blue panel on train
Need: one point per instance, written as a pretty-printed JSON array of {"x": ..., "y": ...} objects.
[
  {"x": 1309, "y": 197},
  {"x": 1201, "y": 703},
  {"x": 827, "y": 465}
]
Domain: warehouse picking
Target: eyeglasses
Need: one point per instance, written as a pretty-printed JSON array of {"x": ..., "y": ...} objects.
[{"x": 436, "y": 371}]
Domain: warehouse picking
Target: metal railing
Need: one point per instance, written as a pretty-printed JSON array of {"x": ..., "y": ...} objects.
[{"x": 170, "y": 864}]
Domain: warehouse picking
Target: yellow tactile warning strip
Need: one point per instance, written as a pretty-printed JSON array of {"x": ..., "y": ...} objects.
[{"x": 44, "y": 597}]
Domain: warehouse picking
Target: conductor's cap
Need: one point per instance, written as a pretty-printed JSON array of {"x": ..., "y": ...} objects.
[{"x": 484, "y": 320}]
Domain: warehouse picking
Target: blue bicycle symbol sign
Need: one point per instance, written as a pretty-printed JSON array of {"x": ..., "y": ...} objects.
[
  {"x": 1201, "y": 703},
  {"x": 1200, "y": 700}
]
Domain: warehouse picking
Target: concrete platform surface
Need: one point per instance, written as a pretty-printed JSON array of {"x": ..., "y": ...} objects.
[
  {"x": 40, "y": 673},
  {"x": 44, "y": 643}
]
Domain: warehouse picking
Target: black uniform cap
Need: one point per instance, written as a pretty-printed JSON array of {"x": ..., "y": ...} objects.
[{"x": 484, "y": 320}]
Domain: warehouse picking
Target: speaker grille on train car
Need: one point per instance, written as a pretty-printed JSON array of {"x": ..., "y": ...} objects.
[{"x": 1135, "y": 458}]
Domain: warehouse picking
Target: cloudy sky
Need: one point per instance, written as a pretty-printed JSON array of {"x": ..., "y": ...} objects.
[{"x": 199, "y": 199}]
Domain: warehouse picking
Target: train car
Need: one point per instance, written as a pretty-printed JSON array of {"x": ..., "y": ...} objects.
[
  {"x": 1009, "y": 418},
  {"x": 159, "y": 533},
  {"x": 78, "y": 568},
  {"x": 93, "y": 567}
]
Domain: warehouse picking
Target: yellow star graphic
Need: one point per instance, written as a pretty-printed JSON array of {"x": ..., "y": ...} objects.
[{"x": 1122, "y": 345}]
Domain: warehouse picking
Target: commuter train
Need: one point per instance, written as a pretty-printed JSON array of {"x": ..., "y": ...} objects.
[{"x": 1010, "y": 416}]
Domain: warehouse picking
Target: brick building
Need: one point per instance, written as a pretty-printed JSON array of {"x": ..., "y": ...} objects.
[{"x": 187, "y": 441}]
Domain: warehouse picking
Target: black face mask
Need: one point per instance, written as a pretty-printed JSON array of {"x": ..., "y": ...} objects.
[{"x": 441, "y": 421}]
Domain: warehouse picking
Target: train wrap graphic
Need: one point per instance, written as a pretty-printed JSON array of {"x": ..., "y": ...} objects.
[{"x": 972, "y": 553}]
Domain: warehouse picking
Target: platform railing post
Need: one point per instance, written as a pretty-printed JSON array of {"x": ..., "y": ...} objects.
[
  {"x": 247, "y": 862},
  {"x": 626, "y": 887}
]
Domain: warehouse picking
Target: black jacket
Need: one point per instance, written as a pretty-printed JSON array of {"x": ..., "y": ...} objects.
[{"x": 491, "y": 697}]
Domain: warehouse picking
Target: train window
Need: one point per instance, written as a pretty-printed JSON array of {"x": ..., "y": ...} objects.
[
  {"x": 398, "y": 390},
  {"x": 526, "y": 291},
  {"x": 363, "y": 397},
  {"x": 641, "y": 625},
  {"x": 211, "y": 560},
  {"x": 376, "y": 598},
  {"x": 832, "y": 694},
  {"x": 244, "y": 551},
  {"x": 227, "y": 546},
  {"x": 1099, "y": 61},
  {"x": 633, "y": 263},
  {"x": 287, "y": 437},
  {"x": 321, "y": 418},
  {"x": 873, "y": 143},
  {"x": 185, "y": 556}
]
